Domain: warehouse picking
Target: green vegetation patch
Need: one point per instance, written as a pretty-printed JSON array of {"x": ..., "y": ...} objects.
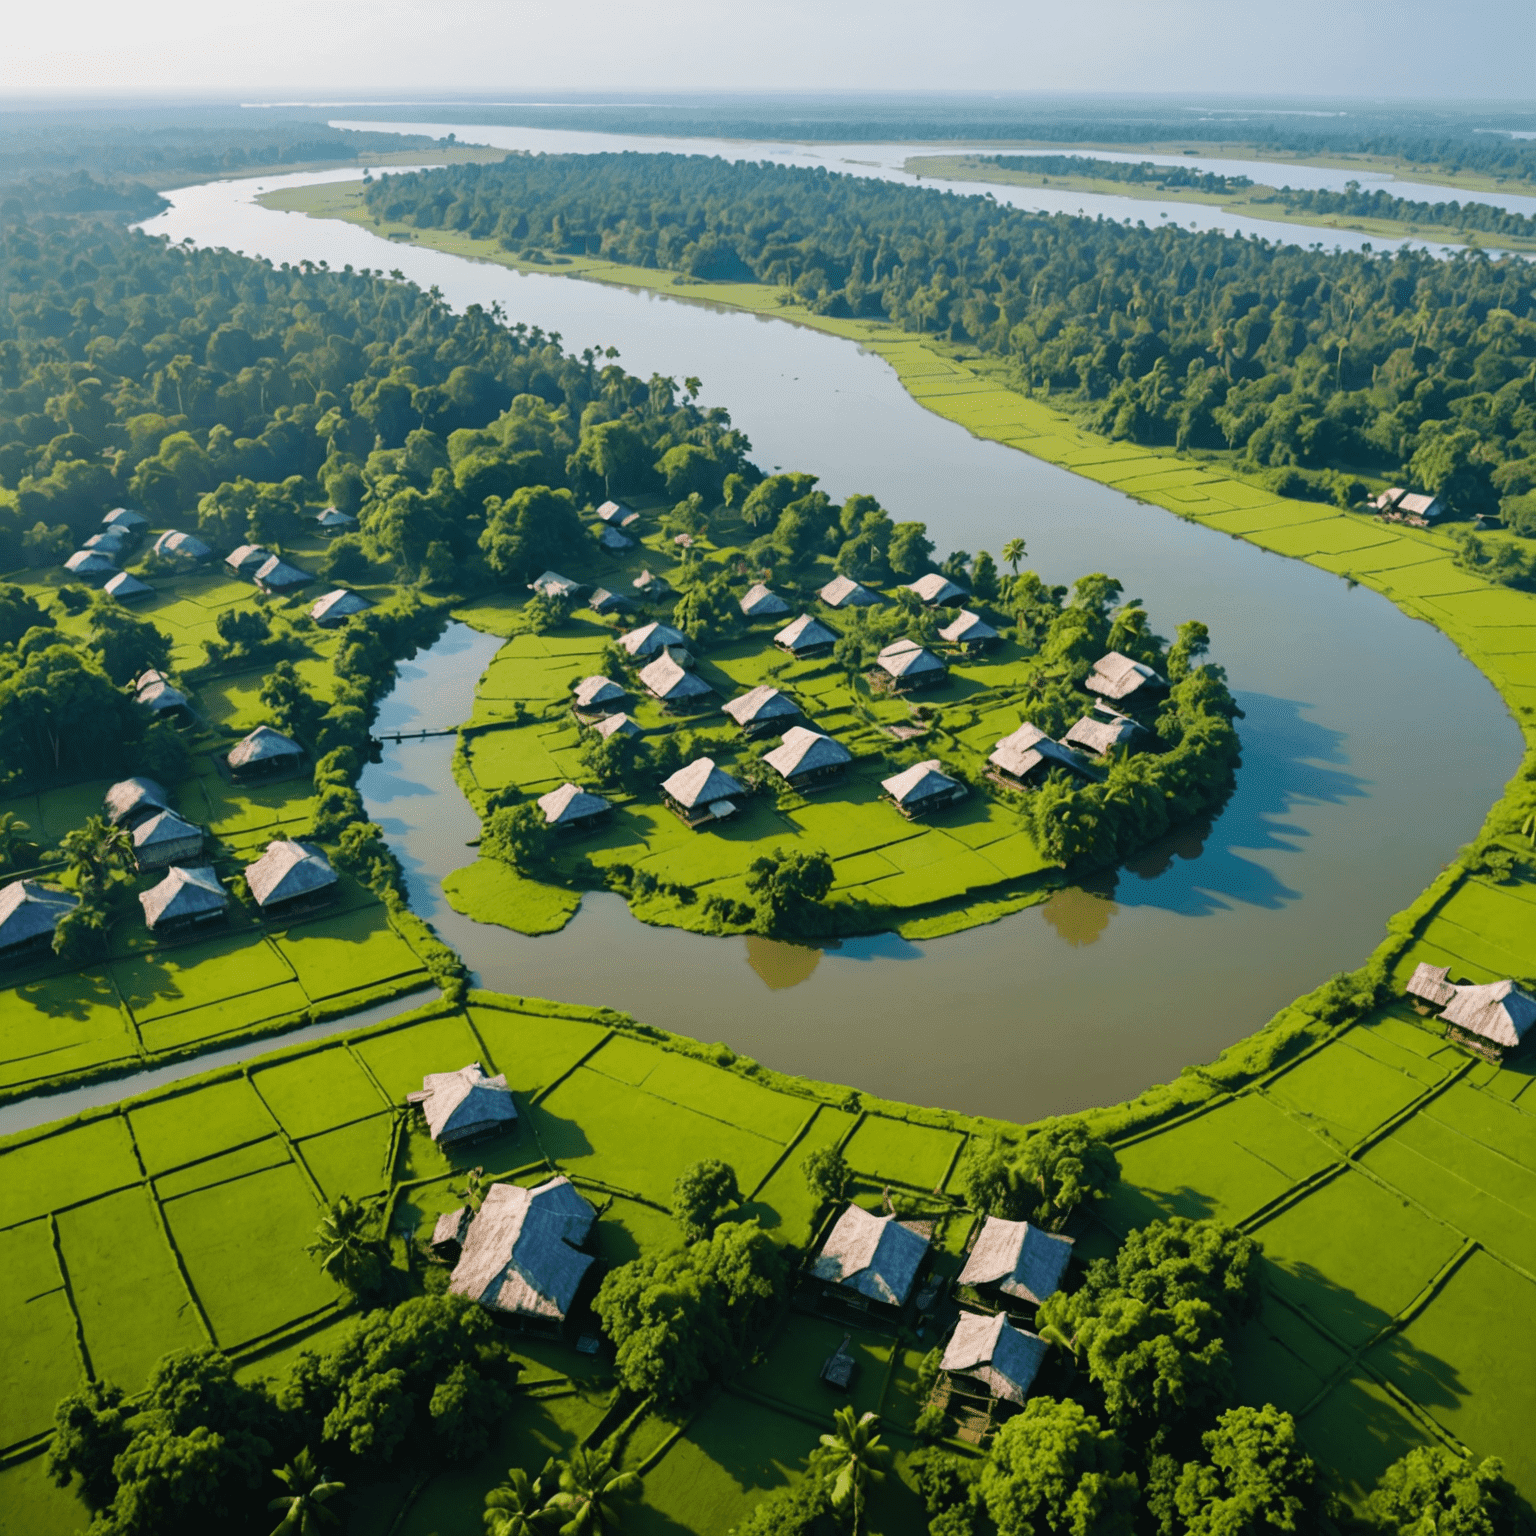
[
  {"x": 39, "y": 1359},
  {"x": 400, "y": 1058},
  {"x": 697, "y": 1085},
  {"x": 316, "y": 1092},
  {"x": 352, "y": 1160},
  {"x": 534, "y": 1049},
  {"x": 916, "y": 1155},
  {"x": 170, "y": 981},
  {"x": 61, "y": 1025},
  {"x": 791, "y": 1372},
  {"x": 1344, "y": 1093},
  {"x": 223, "y": 1169},
  {"x": 184, "y": 1127},
  {"x": 1359, "y": 1430},
  {"x": 66, "y": 1168},
  {"x": 491, "y": 892},
  {"x": 346, "y": 953}
]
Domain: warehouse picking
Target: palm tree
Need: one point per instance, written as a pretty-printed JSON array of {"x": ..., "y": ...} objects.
[
  {"x": 1013, "y": 552},
  {"x": 345, "y": 1251},
  {"x": 513, "y": 1508},
  {"x": 303, "y": 1506},
  {"x": 473, "y": 1193},
  {"x": 590, "y": 1491},
  {"x": 13, "y": 837},
  {"x": 859, "y": 1459},
  {"x": 95, "y": 851}
]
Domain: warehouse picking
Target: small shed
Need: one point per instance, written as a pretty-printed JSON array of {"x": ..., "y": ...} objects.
[
  {"x": 970, "y": 631},
  {"x": 874, "y": 1257},
  {"x": 991, "y": 1351},
  {"x": 153, "y": 691},
  {"x": 290, "y": 877},
  {"x": 522, "y": 1253},
  {"x": 1431, "y": 985},
  {"x": 845, "y": 592},
  {"x": 464, "y": 1105},
  {"x": 186, "y": 547},
  {"x": 130, "y": 801},
  {"x": 904, "y": 665},
  {"x": 922, "y": 789},
  {"x": 763, "y": 710},
  {"x": 1026, "y": 755},
  {"x": 650, "y": 639},
  {"x": 603, "y": 601},
  {"x": 126, "y": 588},
  {"x": 936, "y": 590},
  {"x": 1100, "y": 736},
  {"x": 111, "y": 542},
  {"x": 29, "y": 912},
  {"x": 121, "y": 517},
  {"x": 247, "y": 559},
  {"x": 1018, "y": 1260},
  {"x": 449, "y": 1232},
  {"x": 763, "y": 602},
  {"x": 702, "y": 792},
  {"x": 806, "y": 637},
  {"x": 616, "y": 515},
  {"x": 839, "y": 1368},
  {"x": 553, "y": 584},
  {"x": 650, "y": 586},
  {"x": 263, "y": 754},
  {"x": 1120, "y": 679},
  {"x": 337, "y": 607},
  {"x": 600, "y": 695},
  {"x": 671, "y": 682},
  {"x": 90, "y": 563},
  {"x": 807, "y": 758},
  {"x": 276, "y": 575},
  {"x": 165, "y": 838},
  {"x": 1492, "y": 1020},
  {"x": 188, "y": 898},
  {"x": 616, "y": 725},
  {"x": 572, "y": 809},
  {"x": 333, "y": 520}
]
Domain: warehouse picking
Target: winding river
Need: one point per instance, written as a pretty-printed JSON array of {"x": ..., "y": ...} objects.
[{"x": 1371, "y": 747}]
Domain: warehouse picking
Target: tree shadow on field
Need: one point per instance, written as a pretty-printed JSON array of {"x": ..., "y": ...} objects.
[{"x": 69, "y": 997}]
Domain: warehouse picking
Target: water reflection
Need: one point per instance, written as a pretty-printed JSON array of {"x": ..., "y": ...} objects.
[
  {"x": 1080, "y": 914},
  {"x": 781, "y": 965}
]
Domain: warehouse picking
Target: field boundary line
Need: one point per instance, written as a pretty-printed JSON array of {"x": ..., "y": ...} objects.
[
  {"x": 82, "y": 1350},
  {"x": 581, "y": 1061},
  {"x": 783, "y": 1157},
  {"x": 288, "y": 1141}
]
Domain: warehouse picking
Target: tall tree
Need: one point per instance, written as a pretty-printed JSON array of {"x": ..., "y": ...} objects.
[
  {"x": 855, "y": 1460},
  {"x": 303, "y": 1507}
]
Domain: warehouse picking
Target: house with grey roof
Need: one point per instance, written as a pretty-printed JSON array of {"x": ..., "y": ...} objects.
[
  {"x": 275, "y": 575},
  {"x": 464, "y": 1105},
  {"x": 678, "y": 688},
  {"x": 333, "y": 520},
  {"x": 126, "y": 588},
  {"x": 1016, "y": 1261},
  {"x": 1402, "y": 506},
  {"x": 806, "y": 637},
  {"x": 614, "y": 541},
  {"x": 1494, "y": 1019},
  {"x": 615, "y": 725},
  {"x": 1099, "y": 735},
  {"x": 153, "y": 691},
  {"x": 904, "y": 665},
  {"x": 702, "y": 792},
  {"x": 185, "y": 547},
  {"x": 29, "y": 912},
  {"x": 247, "y": 559},
  {"x": 1026, "y": 755},
  {"x": 603, "y": 601},
  {"x": 1117, "y": 678},
  {"x": 845, "y": 592},
  {"x": 337, "y": 607},
  {"x": 650, "y": 639},
  {"x": 522, "y": 1254},
  {"x": 936, "y": 590},
  {"x": 650, "y": 586},
  {"x": 1431, "y": 985},
  {"x": 992, "y": 1353},
  {"x": 573, "y": 809},
  {"x": 806, "y": 759},
  {"x": 290, "y": 877},
  {"x": 130, "y": 801},
  {"x": 761, "y": 602},
  {"x": 111, "y": 542},
  {"x": 616, "y": 515},
  {"x": 166, "y": 838},
  {"x": 190, "y": 897},
  {"x": 872, "y": 1257},
  {"x": 763, "y": 710},
  {"x": 90, "y": 563},
  {"x": 598, "y": 695},
  {"x": 922, "y": 789},
  {"x": 121, "y": 517},
  {"x": 449, "y": 1232},
  {"x": 970, "y": 632},
  {"x": 553, "y": 584},
  {"x": 263, "y": 754}
]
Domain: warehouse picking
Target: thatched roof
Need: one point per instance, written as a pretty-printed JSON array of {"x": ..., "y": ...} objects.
[
  {"x": 648, "y": 583},
  {"x": 184, "y": 893},
  {"x": 452, "y": 1227},
  {"x": 464, "y": 1103},
  {"x": 286, "y": 870},
  {"x": 1498, "y": 1011},
  {"x": 762, "y": 703},
  {"x": 669, "y": 680},
  {"x": 1027, "y": 747},
  {"x": 334, "y": 517},
  {"x": 1100, "y": 736},
  {"x": 993, "y": 1351},
  {"x": 595, "y": 690},
  {"x": 873, "y": 1255},
  {"x": 133, "y": 797},
  {"x": 650, "y": 638},
  {"x": 1430, "y": 983},
  {"x": 845, "y": 592},
  {"x": 966, "y": 628},
  {"x": 1018, "y": 1258},
  {"x": 604, "y": 601},
  {"x": 90, "y": 562},
  {"x": 520, "y": 1254},
  {"x": 113, "y": 541},
  {"x": 339, "y": 604},
  {"x": 611, "y": 538},
  {"x": 157, "y": 695},
  {"x": 124, "y": 587},
  {"x": 553, "y": 584},
  {"x": 614, "y": 725},
  {"x": 569, "y": 804},
  {"x": 263, "y": 745},
  {"x": 248, "y": 557},
  {"x": 934, "y": 589},
  {"x": 701, "y": 783},
  {"x": 906, "y": 658},
  {"x": 29, "y": 910},
  {"x": 165, "y": 829},
  {"x": 277, "y": 575},
  {"x": 763, "y": 602},
  {"x": 806, "y": 751},
  {"x": 617, "y": 513},
  {"x": 121, "y": 517},
  {"x": 805, "y": 634},
  {"x": 173, "y": 544},
  {"x": 1417, "y": 504},
  {"x": 921, "y": 781},
  {"x": 1388, "y": 498},
  {"x": 1116, "y": 676}
]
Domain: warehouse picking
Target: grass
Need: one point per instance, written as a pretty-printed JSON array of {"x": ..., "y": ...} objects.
[{"x": 495, "y": 893}]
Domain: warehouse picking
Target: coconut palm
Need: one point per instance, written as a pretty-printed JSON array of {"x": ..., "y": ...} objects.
[
  {"x": 345, "y": 1251},
  {"x": 855, "y": 1459},
  {"x": 590, "y": 1493},
  {"x": 1014, "y": 553},
  {"x": 303, "y": 1506},
  {"x": 473, "y": 1192},
  {"x": 95, "y": 851},
  {"x": 514, "y": 1507}
]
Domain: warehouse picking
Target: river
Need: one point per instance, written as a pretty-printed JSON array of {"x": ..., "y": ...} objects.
[{"x": 1371, "y": 747}]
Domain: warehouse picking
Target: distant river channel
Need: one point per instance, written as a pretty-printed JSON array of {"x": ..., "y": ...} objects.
[{"x": 1371, "y": 748}]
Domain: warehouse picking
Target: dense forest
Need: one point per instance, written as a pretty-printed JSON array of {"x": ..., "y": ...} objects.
[
  {"x": 1318, "y": 365},
  {"x": 1135, "y": 172}
]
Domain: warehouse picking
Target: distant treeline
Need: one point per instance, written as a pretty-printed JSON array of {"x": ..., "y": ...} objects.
[
  {"x": 1321, "y": 365},
  {"x": 1139, "y": 173},
  {"x": 1355, "y": 204}
]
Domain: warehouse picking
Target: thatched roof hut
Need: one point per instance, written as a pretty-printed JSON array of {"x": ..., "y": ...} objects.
[
  {"x": 449, "y": 1232},
  {"x": 247, "y": 559},
  {"x": 29, "y": 912},
  {"x": 702, "y": 792},
  {"x": 762, "y": 602},
  {"x": 1027, "y": 754},
  {"x": 126, "y": 588},
  {"x": 188, "y": 896},
  {"x": 166, "y": 838},
  {"x": 970, "y": 630},
  {"x": 553, "y": 584},
  {"x": 922, "y": 788},
  {"x": 599, "y": 694},
  {"x": 154, "y": 692},
  {"x": 275, "y": 575},
  {"x": 873, "y": 1255},
  {"x": 336, "y": 607},
  {"x": 616, "y": 514},
  {"x": 521, "y": 1254},
  {"x": 672, "y": 683},
  {"x": 1116, "y": 676},
  {"x": 1430, "y": 983},
  {"x": 762, "y": 709},
  {"x": 1498, "y": 1014},
  {"x": 845, "y": 592},
  {"x": 572, "y": 809},
  {"x": 130, "y": 801},
  {"x": 615, "y": 725},
  {"x": 650, "y": 586},
  {"x": 187, "y": 547},
  {"x": 805, "y": 637},
  {"x": 604, "y": 601},
  {"x": 937, "y": 590},
  {"x": 110, "y": 541},
  {"x": 650, "y": 639},
  {"x": 1018, "y": 1259},
  {"x": 121, "y": 517},
  {"x": 262, "y": 753},
  {"x": 992, "y": 1351},
  {"x": 1100, "y": 736},
  {"x": 334, "y": 520},
  {"x": 289, "y": 875},
  {"x": 612, "y": 539},
  {"x": 90, "y": 562},
  {"x": 459, "y": 1106},
  {"x": 807, "y": 757},
  {"x": 909, "y": 665}
]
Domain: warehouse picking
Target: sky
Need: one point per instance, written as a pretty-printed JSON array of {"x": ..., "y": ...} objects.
[{"x": 1476, "y": 49}]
